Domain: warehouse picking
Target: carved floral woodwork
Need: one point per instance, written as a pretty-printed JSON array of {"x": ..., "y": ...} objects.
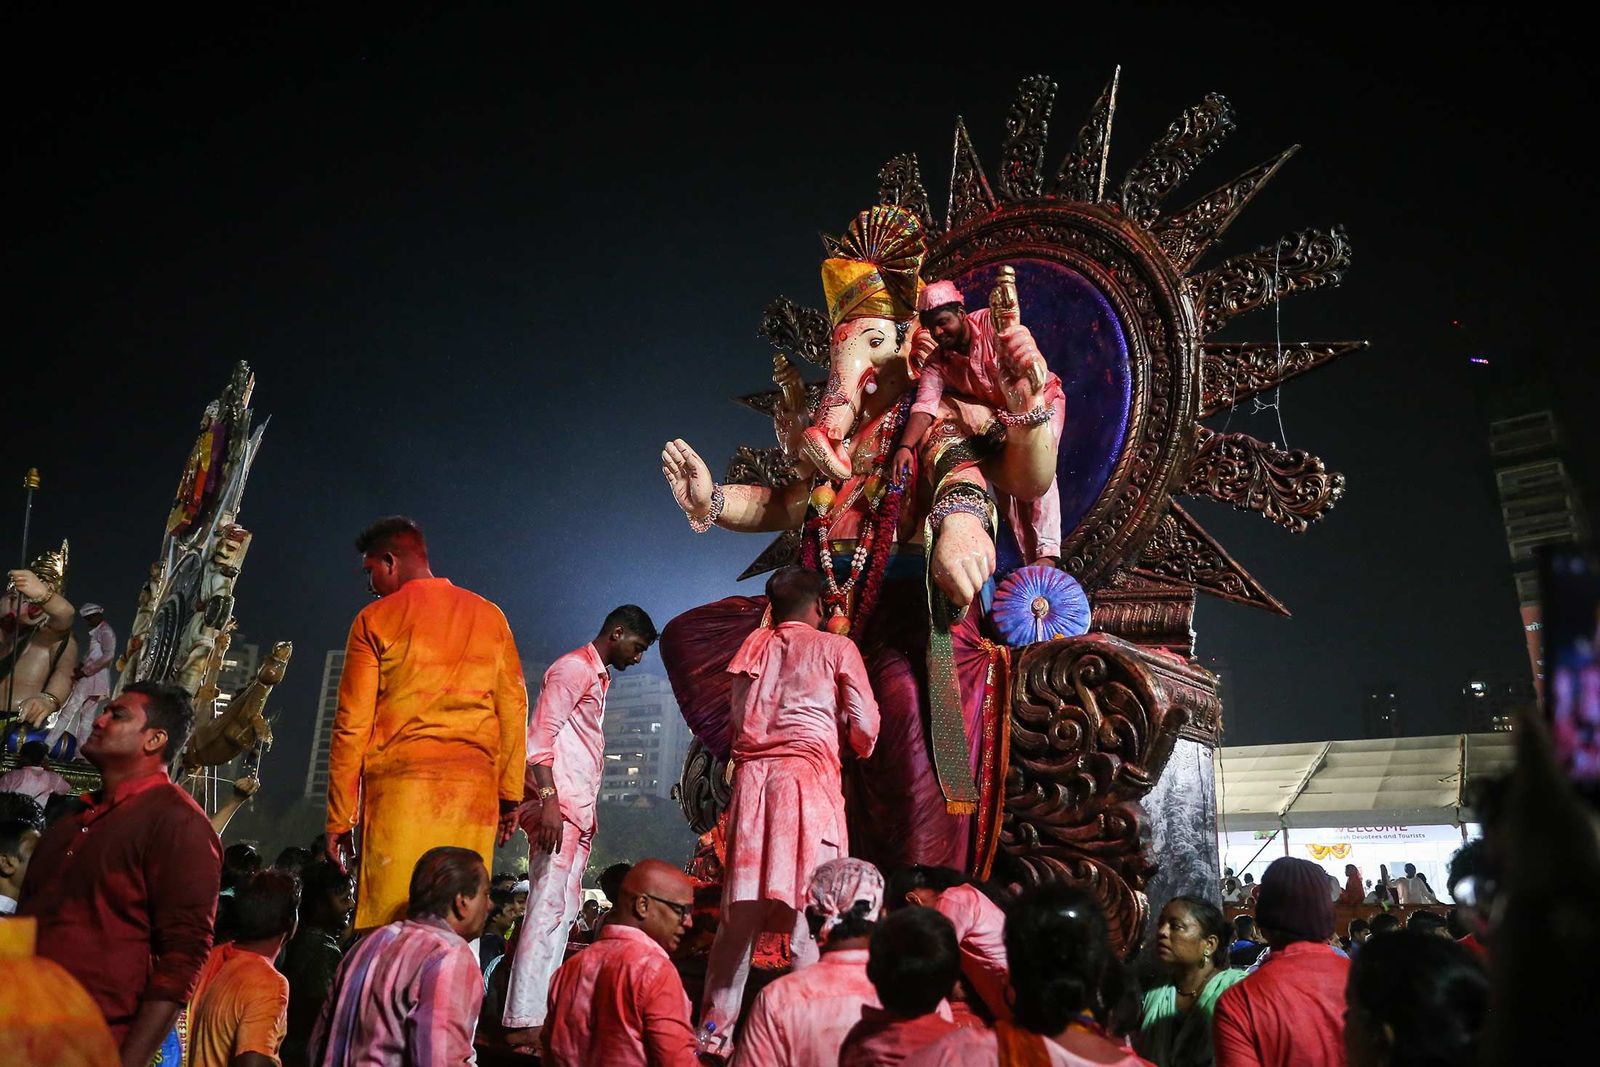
[{"x": 1093, "y": 721}]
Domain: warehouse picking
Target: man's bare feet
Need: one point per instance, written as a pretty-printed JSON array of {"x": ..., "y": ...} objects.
[{"x": 526, "y": 1038}]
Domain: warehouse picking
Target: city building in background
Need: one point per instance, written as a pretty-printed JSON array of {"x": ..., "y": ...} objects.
[
  {"x": 322, "y": 737},
  {"x": 646, "y": 737},
  {"x": 1488, "y": 704},
  {"x": 1535, "y": 480},
  {"x": 239, "y": 666},
  {"x": 1380, "y": 712}
]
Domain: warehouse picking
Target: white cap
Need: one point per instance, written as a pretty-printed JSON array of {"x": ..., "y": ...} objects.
[
  {"x": 521, "y": 887},
  {"x": 91, "y": 609}
]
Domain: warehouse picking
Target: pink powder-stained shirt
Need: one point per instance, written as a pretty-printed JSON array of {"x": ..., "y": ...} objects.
[
  {"x": 1288, "y": 1013},
  {"x": 37, "y": 783},
  {"x": 884, "y": 1040},
  {"x": 407, "y": 993},
  {"x": 976, "y": 1048},
  {"x": 795, "y": 691},
  {"x": 565, "y": 731},
  {"x": 619, "y": 1002},
  {"x": 980, "y": 931},
  {"x": 801, "y": 1019},
  {"x": 975, "y": 375}
]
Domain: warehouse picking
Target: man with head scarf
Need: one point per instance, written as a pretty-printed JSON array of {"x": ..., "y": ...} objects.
[
  {"x": 91, "y": 681},
  {"x": 802, "y": 1018},
  {"x": 796, "y": 690},
  {"x": 1291, "y": 1009}
]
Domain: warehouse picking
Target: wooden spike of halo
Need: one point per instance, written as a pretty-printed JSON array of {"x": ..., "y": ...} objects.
[
  {"x": 1194, "y": 135},
  {"x": 1021, "y": 174},
  {"x": 900, "y": 182},
  {"x": 970, "y": 195},
  {"x": 1082, "y": 174},
  {"x": 1310, "y": 259},
  {"x": 1186, "y": 235},
  {"x": 1181, "y": 550},
  {"x": 1233, "y": 373}
]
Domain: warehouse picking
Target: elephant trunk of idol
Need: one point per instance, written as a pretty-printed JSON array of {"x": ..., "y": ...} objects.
[{"x": 836, "y": 416}]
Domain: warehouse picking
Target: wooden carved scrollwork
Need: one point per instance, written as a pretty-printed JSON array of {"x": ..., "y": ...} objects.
[
  {"x": 1093, "y": 721},
  {"x": 1027, "y": 128},
  {"x": 970, "y": 195},
  {"x": 1291, "y": 487},
  {"x": 1231, "y": 373},
  {"x": 701, "y": 791},
  {"x": 796, "y": 330},
  {"x": 1194, "y": 135},
  {"x": 1186, "y": 235},
  {"x": 759, "y": 466},
  {"x": 1306, "y": 260},
  {"x": 1082, "y": 174},
  {"x": 900, "y": 182}
]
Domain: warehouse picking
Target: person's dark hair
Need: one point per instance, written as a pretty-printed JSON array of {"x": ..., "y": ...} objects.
[
  {"x": 239, "y": 863},
  {"x": 1384, "y": 922},
  {"x": 611, "y": 881},
  {"x": 1249, "y": 879},
  {"x": 1471, "y": 860},
  {"x": 791, "y": 589},
  {"x": 633, "y": 619},
  {"x": 33, "y": 754},
  {"x": 12, "y": 832},
  {"x": 294, "y": 857},
  {"x": 1455, "y": 925},
  {"x": 61, "y": 806},
  {"x": 1427, "y": 922},
  {"x": 396, "y": 534},
  {"x": 441, "y": 875},
  {"x": 1357, "y": 926},
  {"x": 913, "y": 961},
  {"x": 1061, "y": 960},
  {"x": 320, "y": 882},
  {"x": 903, "y": 880},
  {"x": 500, "y": 899},
  {"x": 265, "y": 905},
  {"x": 1212, "y": 923},
  {"x": 1429, "y": 994},
  {"x": 857, "y": 922},
  {"x": 1411, "y": 870},
  {"x": 166, "y": 707},
  {"x": 19, "y": 807},
  {"x": 1244, "y": 927}
]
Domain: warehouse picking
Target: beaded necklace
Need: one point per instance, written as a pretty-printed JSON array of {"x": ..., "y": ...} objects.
[{"x": 880, "y": 519}]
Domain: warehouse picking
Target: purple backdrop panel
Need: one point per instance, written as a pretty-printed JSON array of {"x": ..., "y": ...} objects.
[{"x": 1082, "y": 340}]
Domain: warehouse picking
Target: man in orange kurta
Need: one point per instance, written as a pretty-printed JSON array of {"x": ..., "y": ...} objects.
[{"x": 429, "y": 738}]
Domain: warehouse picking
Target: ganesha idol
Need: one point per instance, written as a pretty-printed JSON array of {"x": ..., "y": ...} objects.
[{"x": 905, "y": 564}]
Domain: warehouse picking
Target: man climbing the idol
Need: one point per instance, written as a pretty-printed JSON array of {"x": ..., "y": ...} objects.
[
  {"x": 796, "y": 690},
  {"x": 566, "y": 749},
  {"x": 959, "y": 356},
  {"x": 427, "y": 745}
]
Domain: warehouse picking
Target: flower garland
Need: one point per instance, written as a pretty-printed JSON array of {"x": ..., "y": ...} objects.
[{"x": 874, "y": 537}]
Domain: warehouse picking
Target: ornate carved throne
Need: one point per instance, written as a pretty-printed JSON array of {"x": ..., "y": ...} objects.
[{"x": 1108, "y": 773}]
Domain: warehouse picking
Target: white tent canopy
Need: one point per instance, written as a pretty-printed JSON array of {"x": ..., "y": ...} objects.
[{"x": 1416, "y": 781}]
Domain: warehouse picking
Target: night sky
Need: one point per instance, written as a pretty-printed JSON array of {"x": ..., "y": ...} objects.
[{"x": 484, "y": 266}]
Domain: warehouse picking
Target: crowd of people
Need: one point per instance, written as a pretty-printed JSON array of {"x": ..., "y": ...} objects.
[{"x": 387, "y": 940}]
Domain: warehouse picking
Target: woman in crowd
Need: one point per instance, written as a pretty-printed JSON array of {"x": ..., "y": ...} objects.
[
  {"x": 1066, "y": 984},
  {"x": 1192, "y": 944},
  {"x": 1414, "y": 999}
]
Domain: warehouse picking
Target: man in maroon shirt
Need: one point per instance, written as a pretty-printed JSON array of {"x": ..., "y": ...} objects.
[
  {"x": 1290, "y": 1012},
  {"x": 125, "y": 892}
]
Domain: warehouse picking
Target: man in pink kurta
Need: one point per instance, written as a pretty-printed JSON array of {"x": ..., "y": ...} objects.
[
  {"x": 801, "y": 1019},
  {"x": 960, "y": 353},
  {"x": 979, "y": 924},
  {"x": 566, "y": 749},
  {"x": 620, "y": 1001},
  {"x": 795, "y": 691}
]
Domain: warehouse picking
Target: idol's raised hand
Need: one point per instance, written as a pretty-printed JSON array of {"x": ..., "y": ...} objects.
[{"x": 688, "y": 477}]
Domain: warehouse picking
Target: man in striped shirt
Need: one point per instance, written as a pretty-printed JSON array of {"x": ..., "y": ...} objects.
[{"x": 409, "y": 993}]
